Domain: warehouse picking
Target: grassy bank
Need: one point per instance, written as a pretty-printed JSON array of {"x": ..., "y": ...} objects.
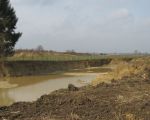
[
  {"x": 123, "y": 68},
  {"x": 40, "y": 65},
  {"x": 30, "y": 62},
  {"x": 33, "y": 55}
]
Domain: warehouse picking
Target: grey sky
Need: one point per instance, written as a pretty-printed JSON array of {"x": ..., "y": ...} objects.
[{"x": 84, "y": 25}]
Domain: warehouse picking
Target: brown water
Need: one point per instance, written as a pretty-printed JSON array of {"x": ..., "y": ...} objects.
[
  {"x": 31, "y": 88},
  {"x": 26, "y": 89}
]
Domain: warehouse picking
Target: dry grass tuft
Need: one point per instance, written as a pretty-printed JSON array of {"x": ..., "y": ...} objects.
[
  {"x": 73, "y": 116},
  {"x": 140, "y": 66},
  {"x": 130, "y": 116}
]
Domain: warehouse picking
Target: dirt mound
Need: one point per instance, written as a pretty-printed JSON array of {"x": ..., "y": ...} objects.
[{"x": 127, "y": 99}]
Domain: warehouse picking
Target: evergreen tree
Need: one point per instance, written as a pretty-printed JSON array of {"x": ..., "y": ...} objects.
[{"x": 8, "y": 36}]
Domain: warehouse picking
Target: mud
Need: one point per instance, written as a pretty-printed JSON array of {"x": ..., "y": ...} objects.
[{"x": 126, "y": 99}]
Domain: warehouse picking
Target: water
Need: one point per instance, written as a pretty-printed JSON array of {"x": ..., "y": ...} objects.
[{"x": 31, "y": 88}]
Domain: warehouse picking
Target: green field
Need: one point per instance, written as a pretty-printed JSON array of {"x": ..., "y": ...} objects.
[{"x": 57, "y": 56}]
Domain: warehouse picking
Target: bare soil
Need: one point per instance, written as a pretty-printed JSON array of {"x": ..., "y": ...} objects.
[{"x": 126, "y": 99}]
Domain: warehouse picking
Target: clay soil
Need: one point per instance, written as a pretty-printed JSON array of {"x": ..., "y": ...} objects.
[{"x": 126, "y": 99}]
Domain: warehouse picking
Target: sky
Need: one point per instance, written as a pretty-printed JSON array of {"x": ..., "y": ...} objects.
[{"x": 84, "y": 25}]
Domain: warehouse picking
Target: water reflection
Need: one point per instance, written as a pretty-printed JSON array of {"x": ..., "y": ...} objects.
[{"x": 5, "y": 99}]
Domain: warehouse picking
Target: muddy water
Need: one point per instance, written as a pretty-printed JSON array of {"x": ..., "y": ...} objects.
[{"x": 30, "y": 88}]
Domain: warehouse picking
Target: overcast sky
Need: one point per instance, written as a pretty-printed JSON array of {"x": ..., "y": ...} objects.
[{"x": 84, "y": 25}]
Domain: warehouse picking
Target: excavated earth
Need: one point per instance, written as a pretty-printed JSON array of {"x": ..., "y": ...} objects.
[{"x": 125, "y": 99}]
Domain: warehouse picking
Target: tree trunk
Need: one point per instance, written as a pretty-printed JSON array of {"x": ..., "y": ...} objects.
[{"x": 3, "y": 70}]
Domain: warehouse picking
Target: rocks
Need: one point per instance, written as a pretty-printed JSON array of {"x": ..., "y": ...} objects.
[{"x": 71, "y": 87}]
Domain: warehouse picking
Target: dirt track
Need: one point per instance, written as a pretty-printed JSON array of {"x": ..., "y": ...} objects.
[{"x": 127, "y": 99}]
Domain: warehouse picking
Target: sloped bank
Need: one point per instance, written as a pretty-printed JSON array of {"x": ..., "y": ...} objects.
[{"x": 23, "y": 68}]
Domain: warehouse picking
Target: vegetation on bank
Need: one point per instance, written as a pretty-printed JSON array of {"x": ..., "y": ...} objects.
[
  {"x": 122, "y": 69},
  {"x": 33, "y": 62},
  {"x": 36, "y": 55}
]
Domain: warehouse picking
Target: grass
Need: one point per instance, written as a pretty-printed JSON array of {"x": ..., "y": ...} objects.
[
  {"x": 33, "y": 55},
  {"x": 120, "y": 69},
  {"x": 54, "y": 58},
  {"x": 48, "y": 56}
]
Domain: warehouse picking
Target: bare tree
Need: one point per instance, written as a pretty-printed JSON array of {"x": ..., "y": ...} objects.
[{"x": 40, "y": 48}]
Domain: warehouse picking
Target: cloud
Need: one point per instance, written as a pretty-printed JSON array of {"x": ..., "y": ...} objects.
[
  {"x": 121, "y": 13},
  {"x": 120, "y": 18},
  {"x": 98, "y": 25},
  {"x": 34, "y": 2}
]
